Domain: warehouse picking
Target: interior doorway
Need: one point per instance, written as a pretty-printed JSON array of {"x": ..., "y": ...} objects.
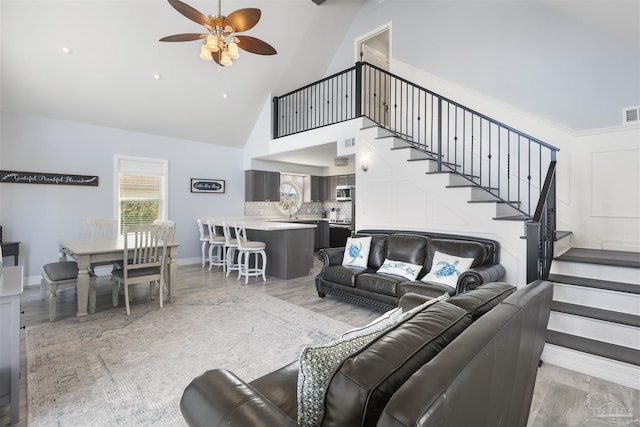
[{"x": 375, "y": 49}]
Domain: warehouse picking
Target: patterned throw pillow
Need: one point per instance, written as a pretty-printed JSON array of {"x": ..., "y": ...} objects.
[
  {"x": 356, "y": 252},
  {"x": 447, "y": 268},
  {"x": 316, "y": 368},
  {"x": 399, "y": 268},
  {"x": 380, "y": 323}
]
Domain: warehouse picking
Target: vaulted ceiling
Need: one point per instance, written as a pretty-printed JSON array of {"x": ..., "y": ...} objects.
[{"x": 119, "y": 75}]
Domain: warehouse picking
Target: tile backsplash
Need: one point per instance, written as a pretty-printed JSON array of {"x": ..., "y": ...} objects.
[{"x": 307, "y": 209}]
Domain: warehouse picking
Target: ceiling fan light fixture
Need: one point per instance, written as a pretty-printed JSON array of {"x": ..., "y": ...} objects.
[
  {"x": 220, "y": 40},
  {"x": 205, "y": 53},
  {"x": 233, "y": 51},
  {"x": 225, "y": 59},
  {"x": 212, "y": 43}
]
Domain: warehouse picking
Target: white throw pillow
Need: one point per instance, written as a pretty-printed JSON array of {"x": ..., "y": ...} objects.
[
  {"x": 407, "y": 270},
  {"x": 316, "y": 368},
  {"x": 380, "y": 323},
  {"x": 356, "y": 252},
  {"x": 447, "y": 268}
]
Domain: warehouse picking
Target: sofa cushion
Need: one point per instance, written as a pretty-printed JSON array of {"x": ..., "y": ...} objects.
[
  {"x": 364, "y": 382},
  {"x": 398, "y": 268},
  {"x": 385, "y": 284},
  {"x": 409, "y": 248},
  {"x": 463, "y": 249},
  {"x": 316, "y": 366},
  {"x": 356, "y": 252},
  {"x": 342, "y": 275},
  {"x": 377, "y": 251},
  {"x": 447, "y": 268},
  {"x": 482, "y": 299}
]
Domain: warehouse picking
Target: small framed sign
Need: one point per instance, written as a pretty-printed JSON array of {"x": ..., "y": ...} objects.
[{"x": 199, "y": 185}]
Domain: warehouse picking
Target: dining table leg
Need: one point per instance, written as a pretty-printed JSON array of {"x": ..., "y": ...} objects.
[
  {"x": 173, "y": 272},
  {"x": 83, "y": 287}
]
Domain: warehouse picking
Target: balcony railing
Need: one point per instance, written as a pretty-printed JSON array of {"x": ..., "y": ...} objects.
[{"x": 503, "y": 163}]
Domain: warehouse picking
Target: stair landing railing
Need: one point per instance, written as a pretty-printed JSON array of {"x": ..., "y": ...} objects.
[{"x": 502, "y": 163}]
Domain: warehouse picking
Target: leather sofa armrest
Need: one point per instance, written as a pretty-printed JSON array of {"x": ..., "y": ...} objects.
[
  {"x": 331, "y": 256},
  {"x": 219, "y": 397},
  {"x": 412, "y": 300},
  {"x": 475, "y": 277}
]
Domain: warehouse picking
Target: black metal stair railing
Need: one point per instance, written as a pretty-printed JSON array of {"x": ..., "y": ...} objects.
[
  {"x": 504, "y": 164},
  {"x": 541, "y": 230}
]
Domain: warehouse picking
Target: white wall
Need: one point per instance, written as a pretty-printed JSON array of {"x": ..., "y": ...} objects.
[
  {"x": 37, "y": 215},
  {"x": 524, "y": 53}
]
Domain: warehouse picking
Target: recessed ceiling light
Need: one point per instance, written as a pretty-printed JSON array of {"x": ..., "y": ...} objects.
[
  {"x": 225, "y": 96},
  {"x": 157, "y": 76},
  {"x": 67, "y": 50}
]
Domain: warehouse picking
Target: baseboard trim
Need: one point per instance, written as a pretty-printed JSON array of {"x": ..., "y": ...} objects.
[{"x": 595, "y": 366}]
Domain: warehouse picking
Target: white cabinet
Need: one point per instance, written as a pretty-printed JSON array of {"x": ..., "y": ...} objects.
[{"x": 10, "y": 291}]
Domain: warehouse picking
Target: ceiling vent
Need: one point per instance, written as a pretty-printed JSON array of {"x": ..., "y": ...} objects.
[{"x": 631, "y": 115}]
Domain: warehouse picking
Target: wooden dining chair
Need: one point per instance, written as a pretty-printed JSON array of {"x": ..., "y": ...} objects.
[
  {"x": 99, "y": 229},
  {"x": 143, "y": 261},
  {"x": 169, "y": 229}
]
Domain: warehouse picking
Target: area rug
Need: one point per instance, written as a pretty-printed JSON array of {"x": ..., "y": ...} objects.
[{"x": 114, "y": 370}]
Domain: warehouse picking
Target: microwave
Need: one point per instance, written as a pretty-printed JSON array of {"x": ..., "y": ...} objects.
[{"x": 344, "y": 193}]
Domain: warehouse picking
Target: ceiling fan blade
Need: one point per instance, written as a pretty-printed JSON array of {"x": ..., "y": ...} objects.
[
  {"x": 189, "y": 12},
  {"x": 183, "y": 37},
  {"x": 254, "y": 45},
  {"x": 216, "y": 57},
  {"x": 243, "y": 19}
]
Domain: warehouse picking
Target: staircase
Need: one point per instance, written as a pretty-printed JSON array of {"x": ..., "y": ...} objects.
[{"x": 594, "y": 326}]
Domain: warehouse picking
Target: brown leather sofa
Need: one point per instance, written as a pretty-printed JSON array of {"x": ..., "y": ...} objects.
[
  {"x": 471, "y": 360},
  {"x": 365, "y": 285}
]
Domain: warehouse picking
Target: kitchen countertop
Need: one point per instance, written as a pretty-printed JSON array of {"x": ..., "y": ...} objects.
[{"x": 253, "y": 223}]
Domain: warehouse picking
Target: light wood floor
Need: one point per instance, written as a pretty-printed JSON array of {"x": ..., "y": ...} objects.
[{"x": 559, "y": 398}]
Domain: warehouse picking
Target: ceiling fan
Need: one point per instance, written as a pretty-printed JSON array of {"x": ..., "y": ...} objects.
[{"x": 220, "y": 43}]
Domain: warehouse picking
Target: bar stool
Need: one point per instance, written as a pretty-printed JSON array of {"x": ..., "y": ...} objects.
[
  {"x": 204, "y": 236},
  {"x": 217, "y": 246},
  {"x": 245, "y": 249},
  {"x": 230, "y": 248}
]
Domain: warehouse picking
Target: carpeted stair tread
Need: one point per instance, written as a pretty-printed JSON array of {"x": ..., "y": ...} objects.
[{"x": 597, "y": 348}]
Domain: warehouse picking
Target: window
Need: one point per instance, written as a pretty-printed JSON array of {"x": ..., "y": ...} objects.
[{"x": 141, "y": 190}]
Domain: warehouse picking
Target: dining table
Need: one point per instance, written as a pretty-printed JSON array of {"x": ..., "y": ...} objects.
[{"x": 88, "y": 252}]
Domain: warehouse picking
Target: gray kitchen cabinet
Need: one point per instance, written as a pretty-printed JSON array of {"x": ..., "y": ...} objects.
[
  {"x": 317, "y": 189},
  {"x": 10, "y": 291},
  {"x": 343, "y": 179},
  {"x": 261, "y": 186},
  {"x": 321, "y": 233},
  {"x": 331, "y": 182}
]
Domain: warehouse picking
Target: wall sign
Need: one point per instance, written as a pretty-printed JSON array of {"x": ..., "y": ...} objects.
[
  {"x": 47, "y": 178},
  {"x": 199, "y": 185}
]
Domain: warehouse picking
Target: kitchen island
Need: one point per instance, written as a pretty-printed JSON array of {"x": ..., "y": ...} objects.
[{"x": 289, "y": 245}]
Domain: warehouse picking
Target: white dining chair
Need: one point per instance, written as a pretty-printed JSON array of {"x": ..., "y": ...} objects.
[
  {"x": 99, "y": 228},
  {"x": 142, "y": 261}
]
